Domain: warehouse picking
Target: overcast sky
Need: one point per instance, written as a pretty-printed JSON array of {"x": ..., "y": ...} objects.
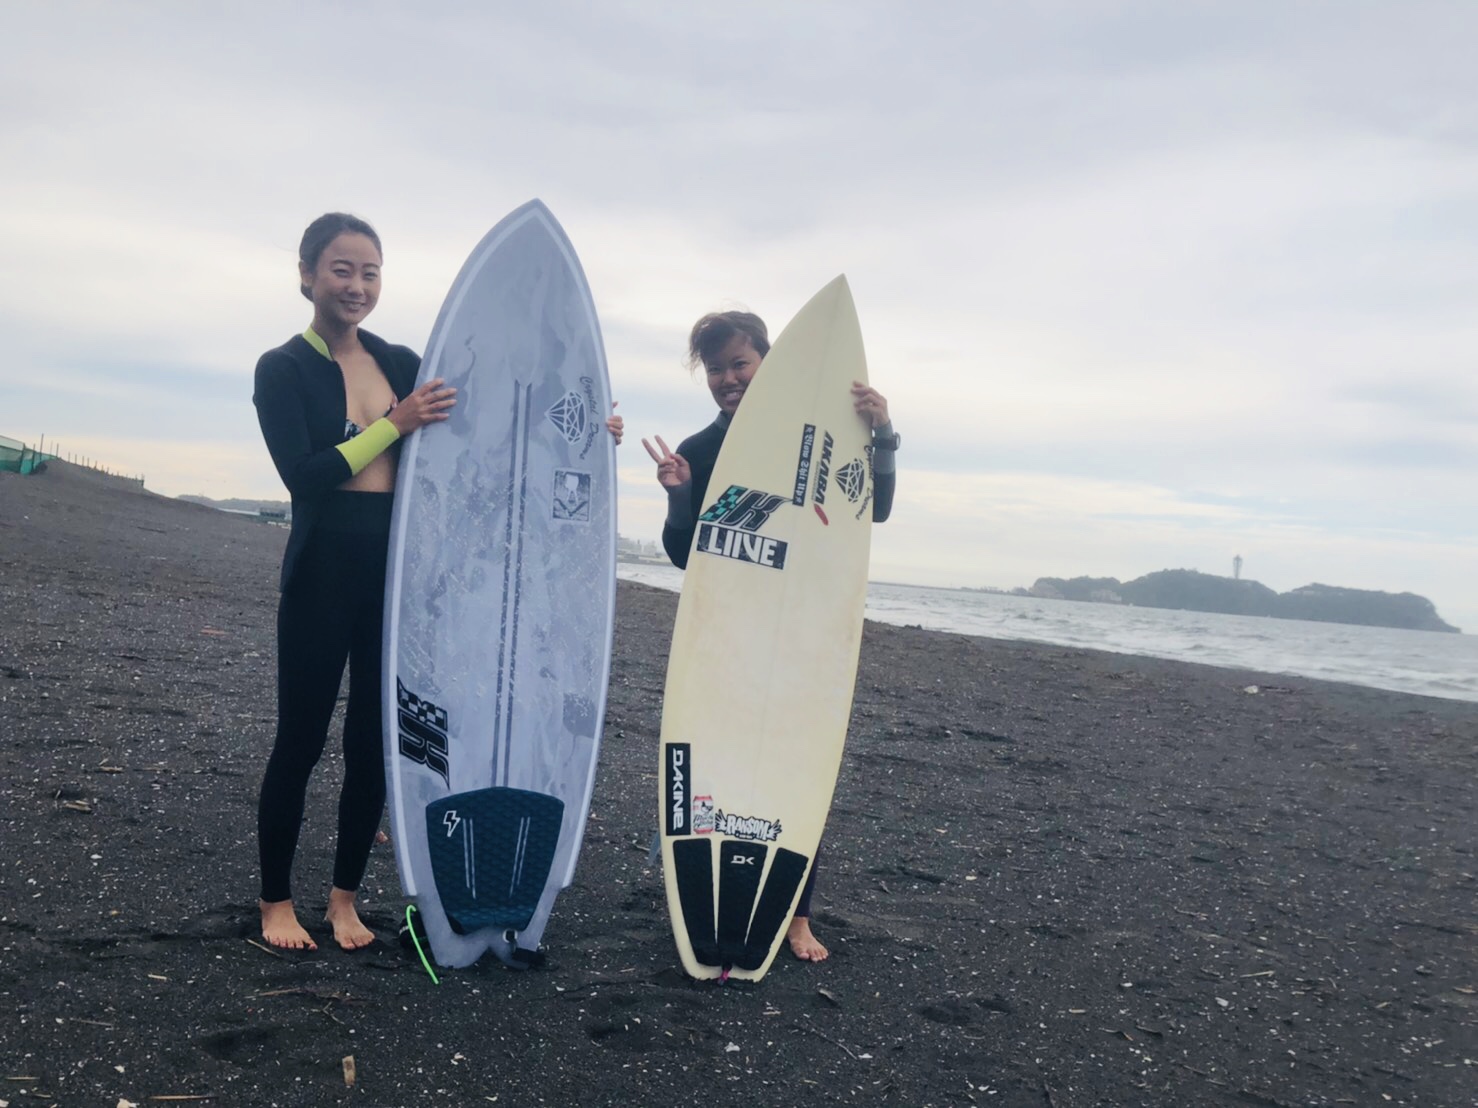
[{"x": 1148, "y": 285}]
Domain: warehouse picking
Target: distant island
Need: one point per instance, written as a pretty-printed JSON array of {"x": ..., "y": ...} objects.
[
  {"x": 1183, "y": 589},
  {"x": 1189, "y": 590}
]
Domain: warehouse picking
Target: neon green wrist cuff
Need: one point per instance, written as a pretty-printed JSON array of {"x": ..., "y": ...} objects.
[{"x": 369, "y": 444}]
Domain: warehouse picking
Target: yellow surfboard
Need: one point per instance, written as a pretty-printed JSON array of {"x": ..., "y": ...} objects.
[{"x": 764, "y": 652}]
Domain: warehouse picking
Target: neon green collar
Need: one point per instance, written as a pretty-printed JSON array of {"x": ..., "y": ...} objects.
[{"x": 315, "y": 340}]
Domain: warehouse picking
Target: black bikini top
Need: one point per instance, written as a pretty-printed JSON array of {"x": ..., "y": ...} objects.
[{"x": 351, "y": 428}]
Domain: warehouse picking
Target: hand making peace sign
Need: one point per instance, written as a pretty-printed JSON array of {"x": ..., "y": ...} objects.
[{"x": 672, "y": 469}]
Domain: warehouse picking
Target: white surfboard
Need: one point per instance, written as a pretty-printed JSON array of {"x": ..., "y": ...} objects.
[
  {"x": 500, "y": 599},
  {"x": 764, "y": 652}
]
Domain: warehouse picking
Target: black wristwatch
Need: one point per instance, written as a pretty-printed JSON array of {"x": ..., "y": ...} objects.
[{"x": 886, "y": 442}]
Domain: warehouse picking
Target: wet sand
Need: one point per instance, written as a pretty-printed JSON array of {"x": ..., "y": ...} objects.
[{"x": 1052, "y": 877}]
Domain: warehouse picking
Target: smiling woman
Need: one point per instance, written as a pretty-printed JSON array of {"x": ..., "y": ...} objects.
[{"x": 333, "y": 403}]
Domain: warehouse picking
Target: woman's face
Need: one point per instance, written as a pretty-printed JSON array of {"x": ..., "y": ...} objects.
[
  {"x": 345, "y": 284},
  {"x": 730, "y": 370}
]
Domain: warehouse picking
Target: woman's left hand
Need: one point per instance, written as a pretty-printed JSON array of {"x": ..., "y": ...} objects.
[
  {"x": 615, "y": 424},
  {"x": 871, "y": 405}
]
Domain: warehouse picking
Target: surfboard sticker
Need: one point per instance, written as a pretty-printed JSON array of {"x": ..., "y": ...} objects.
[
  {"x": 423, "y": 731},
  {"x": 764, "y": 650},
  {"x": 731, "y": 528},
  {"x": 703, "y": 815},
  {"x": 500, "y": 599},
  {"x": 679, "y": 759}
]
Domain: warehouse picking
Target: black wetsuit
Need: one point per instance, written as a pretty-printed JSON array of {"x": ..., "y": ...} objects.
[
  {"x": 700, "y": 451},
  {"x": 333, "y": 595}
]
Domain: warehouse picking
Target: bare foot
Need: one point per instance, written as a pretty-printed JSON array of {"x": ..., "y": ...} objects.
[
  {"x": 349, "y": 931},
  {"x": 280, "y": 926},
  {"x": 803, "y": 944},
  {"x": 381, "y": 838}
]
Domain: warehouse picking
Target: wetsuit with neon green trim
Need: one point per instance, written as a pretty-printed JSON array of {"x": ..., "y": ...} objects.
[
  {"x": 333, "y": 587},
  {"x": 361, "y": 445},
  {"x": 302, "y": 409}
]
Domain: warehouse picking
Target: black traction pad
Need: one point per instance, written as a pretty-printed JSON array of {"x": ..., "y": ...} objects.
[
  {"x": 693, "y": 861},
  {"x": 742, "y": 933},
  {"x": 786, "y": 873},
  {"x": 491, "y": 850},
  {"x": 740, "y": 866}
]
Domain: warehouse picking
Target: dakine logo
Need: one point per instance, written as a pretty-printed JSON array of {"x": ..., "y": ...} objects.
[
  {"x": 747, "y": 827},
  {"x": 850, "y": 478},
  {"x": 728, "y": 527},
  {"x": 423, "y": 731},
  {"x": 743, "y": 859},
  {"x": 679, "y": 773},
  {"x": 803, "y": 466}
]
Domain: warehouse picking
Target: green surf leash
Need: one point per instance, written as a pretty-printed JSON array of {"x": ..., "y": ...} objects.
[{"x": 411, "y": 928}]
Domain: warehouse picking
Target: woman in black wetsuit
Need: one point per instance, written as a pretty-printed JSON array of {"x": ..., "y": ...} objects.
[
  {"x": 730, "y": 347},
  {"x": 333, "y": 403}
]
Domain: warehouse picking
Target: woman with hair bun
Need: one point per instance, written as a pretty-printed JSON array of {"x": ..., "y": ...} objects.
[{"x": 334, "y": 404}]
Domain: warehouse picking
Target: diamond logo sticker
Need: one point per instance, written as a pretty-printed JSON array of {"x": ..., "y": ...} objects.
[
  {"x": 849, "y": 480},
  {"x": 569, "y": 415}
]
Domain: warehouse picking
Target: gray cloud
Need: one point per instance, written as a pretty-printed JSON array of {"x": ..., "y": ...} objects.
[{"x": 1213, "y": 250}]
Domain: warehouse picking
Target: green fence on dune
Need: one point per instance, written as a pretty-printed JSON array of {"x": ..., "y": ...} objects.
[{"x": 17, "y": 457}]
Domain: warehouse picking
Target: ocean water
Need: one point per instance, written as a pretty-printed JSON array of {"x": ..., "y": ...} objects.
[{"x": 1426, "y": 662}]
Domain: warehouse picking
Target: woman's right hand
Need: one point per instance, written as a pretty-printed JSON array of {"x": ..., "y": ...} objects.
[
  {"x": 428, "y": 404},
  {"x": 672, "y": 469}
]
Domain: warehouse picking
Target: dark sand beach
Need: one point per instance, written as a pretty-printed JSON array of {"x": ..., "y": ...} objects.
[{"x": 1052, "y": 877}]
